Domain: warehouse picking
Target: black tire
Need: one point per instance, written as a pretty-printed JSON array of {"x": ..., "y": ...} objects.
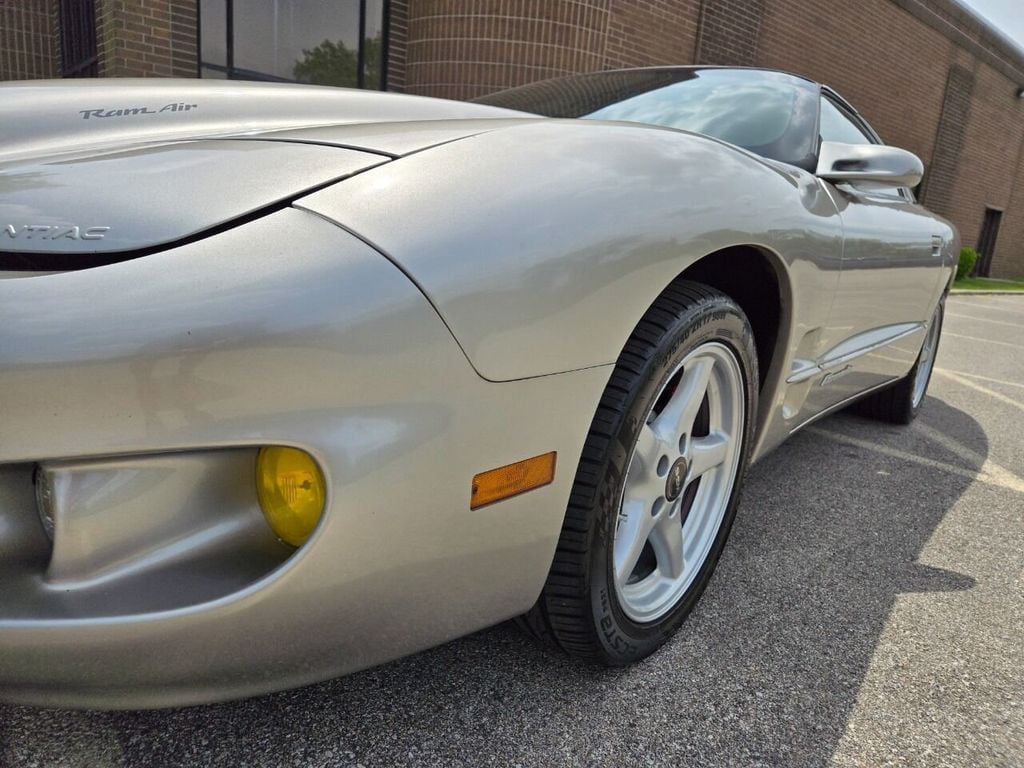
[
  {"x": 578, "y": 610},
  {"x": 895, "y": 404}
]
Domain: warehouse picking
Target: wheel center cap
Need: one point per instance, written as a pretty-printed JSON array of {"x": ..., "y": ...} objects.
[{"x": 676, "y": 479}]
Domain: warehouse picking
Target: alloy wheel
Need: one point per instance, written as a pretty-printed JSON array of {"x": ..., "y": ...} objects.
[{"x": 679, "y": 482}]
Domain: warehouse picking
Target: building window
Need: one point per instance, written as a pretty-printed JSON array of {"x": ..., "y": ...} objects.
[
  {"x": 987, "y": 241},
  {"x": 326, "y": 42},
  {"x": 78, "y": 38}
]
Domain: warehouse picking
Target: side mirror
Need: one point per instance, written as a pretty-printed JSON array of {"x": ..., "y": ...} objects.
[{"x": 876, "y": 163}]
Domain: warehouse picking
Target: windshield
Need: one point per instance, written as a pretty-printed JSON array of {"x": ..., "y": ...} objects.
[{"x": 769, "y": 113}]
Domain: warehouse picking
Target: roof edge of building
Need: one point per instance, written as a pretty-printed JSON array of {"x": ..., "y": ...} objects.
[{"x": 970, "y": 31}]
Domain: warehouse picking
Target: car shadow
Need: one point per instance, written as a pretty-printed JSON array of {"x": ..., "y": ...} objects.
[{"x": 766, "y": 671}]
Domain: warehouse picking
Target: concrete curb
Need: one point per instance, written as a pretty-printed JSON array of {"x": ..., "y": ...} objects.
[{"x": 972, "y": 292}]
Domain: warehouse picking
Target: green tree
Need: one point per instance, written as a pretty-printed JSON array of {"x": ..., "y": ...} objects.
[{"x": 333, "y": 63}]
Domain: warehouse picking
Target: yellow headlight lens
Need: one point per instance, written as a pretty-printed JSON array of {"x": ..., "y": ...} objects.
[{"x": 291, "y": 491}]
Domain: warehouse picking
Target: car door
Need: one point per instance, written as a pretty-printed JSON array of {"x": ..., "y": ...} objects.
[{"x": 890, "y": 277}]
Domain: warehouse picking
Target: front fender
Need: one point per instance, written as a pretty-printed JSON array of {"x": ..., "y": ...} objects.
[{"x": 542, "y": 244}]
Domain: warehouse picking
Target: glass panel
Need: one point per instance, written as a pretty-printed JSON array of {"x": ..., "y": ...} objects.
[
  {"x": 768, "y": 113},
  {"x": 836, "y": 126},
  {"x": 312, "y": 41},
  {"x": 748, "y": 114},
  {"x": 305, "y": 40},
  {"x": 212, "y": 34}
]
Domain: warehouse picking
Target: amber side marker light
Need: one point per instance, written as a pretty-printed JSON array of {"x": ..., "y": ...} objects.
[
  {"x": 291, "y": 492},
  {"x": 512, "y": 479}
]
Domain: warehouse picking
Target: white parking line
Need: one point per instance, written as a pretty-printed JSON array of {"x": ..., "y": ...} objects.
[
  {"x": 985, "y": 465},
  {"x": 1003, "y": 479},
  {"x": 985, "y": 320},
  {"x": 986, "y": 341},
  {"x": 1017, "y": 309},
  {"x": 981, "y": 378},
  {"x": 985, "y": 390},
  {"x": 1008, "y": 301}
]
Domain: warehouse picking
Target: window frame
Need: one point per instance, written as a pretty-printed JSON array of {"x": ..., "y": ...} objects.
[
  {"x": 850, "y": 114},
  {"x": 231, "y": 72}
]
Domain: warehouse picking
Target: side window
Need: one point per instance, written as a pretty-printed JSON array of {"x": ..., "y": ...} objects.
[{"x": 836, "y": 126}]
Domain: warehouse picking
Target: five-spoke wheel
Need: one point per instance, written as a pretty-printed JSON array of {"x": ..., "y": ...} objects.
[
  {"x": 679, "y": 481},
  {"x": 657, "y": 485}
]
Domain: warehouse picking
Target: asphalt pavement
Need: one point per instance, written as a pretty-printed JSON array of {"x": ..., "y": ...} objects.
[{"x": 868, "y": 611}]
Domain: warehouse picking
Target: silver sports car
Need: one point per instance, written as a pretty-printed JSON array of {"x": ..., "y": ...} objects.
[{"x": 296, "y": 380}]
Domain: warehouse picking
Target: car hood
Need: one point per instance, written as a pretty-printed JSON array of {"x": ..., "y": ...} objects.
[
  {"x": 120, "y": 166},
  {"x": 48, "y": 117},
  {"x": 154, "y": 196}
]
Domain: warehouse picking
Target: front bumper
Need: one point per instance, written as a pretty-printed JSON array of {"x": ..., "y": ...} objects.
[{"x": 150, "y": 384}]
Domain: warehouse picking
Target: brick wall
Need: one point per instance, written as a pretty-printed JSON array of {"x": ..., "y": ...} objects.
[
  {"x": 642, "y": 33},
  {"x": 943, "y": 170},
  {"x": 1009, "y": 256},
  {"x": 147, "y": 38},
  {"x": 459, "y": 49},
  {"x": 986, "y": 172},
  {"x": 28, "y": 40},
  {"x": 465, "y": 48},
  {"x": 729, "y": 31}
]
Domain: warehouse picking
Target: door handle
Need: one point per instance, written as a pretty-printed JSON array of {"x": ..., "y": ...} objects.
[{"x": 937, "y": 246}]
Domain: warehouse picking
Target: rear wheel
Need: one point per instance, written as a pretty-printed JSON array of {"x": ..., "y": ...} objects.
[
  {"x": 901, "y": 402},
  {"x": 658, "y": 483}
]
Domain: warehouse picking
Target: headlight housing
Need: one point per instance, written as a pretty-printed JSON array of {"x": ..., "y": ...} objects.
[{"x": 291, "y": 491}]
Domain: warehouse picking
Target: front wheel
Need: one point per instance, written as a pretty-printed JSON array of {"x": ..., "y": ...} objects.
[{"x": 658, "y": 483}]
